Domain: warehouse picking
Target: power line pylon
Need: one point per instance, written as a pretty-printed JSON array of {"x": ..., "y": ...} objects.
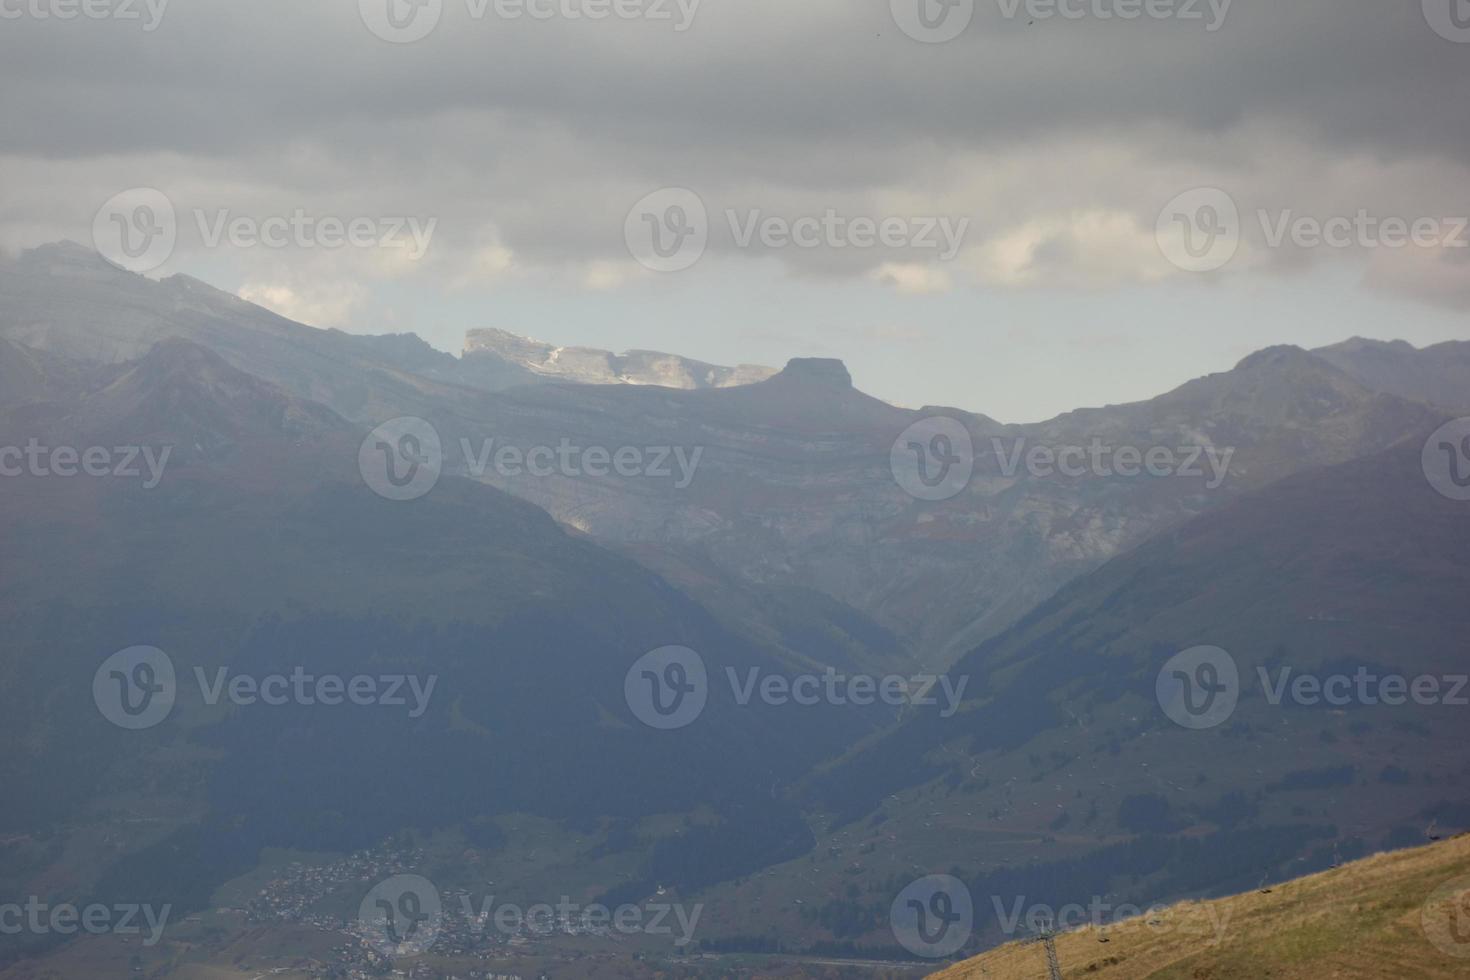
[{"x": 1048, "y": 939}]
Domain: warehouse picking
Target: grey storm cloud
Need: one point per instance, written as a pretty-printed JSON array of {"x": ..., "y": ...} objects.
[
  {"x": 216, "y": 77},
  {"x": 535, "y": 136}
]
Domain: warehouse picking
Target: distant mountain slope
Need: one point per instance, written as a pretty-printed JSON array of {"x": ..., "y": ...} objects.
[
  {"x": 1064, "y": 776},
  {"x": 66, "y": 299},
  {"x": 796, "y": 485},
  {"x": 262, "y": 550},
  {"x": 1284, "y": 407},
  {"x": 1370, "y": 920},
  {"x": 21, "y": 378},
  {"x": 1439, "y": 374},
  {"x": 1357, "y": 564},
  {"x": 185, "y": 395},
  {"x": 588, "y": 365}
]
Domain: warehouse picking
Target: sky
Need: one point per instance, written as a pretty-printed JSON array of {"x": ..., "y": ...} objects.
[{"x": 1017, "y": 207}]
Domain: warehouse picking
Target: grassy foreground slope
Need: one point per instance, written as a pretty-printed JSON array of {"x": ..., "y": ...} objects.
[{"x": 1400, "y": 914}]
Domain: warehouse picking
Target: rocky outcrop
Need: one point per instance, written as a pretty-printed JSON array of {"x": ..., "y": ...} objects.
[{"x": 589, "y": 365}]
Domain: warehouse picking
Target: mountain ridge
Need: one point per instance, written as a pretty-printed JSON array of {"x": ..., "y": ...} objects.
[
  {"x": 1439, "y": 374},
  {"x": 590, "y": 365},
  {"x": 263, "y": 548},
  {"x": 796, "y": 485}
]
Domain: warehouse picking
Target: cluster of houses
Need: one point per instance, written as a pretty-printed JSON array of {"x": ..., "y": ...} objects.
[{"x": 464, "y": 929}]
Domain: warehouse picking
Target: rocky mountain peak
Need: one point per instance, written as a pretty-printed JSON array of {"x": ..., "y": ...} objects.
[
  {"x": 591, "y": 365},
  {"x": 1435, "y": 374},
  {"x": 179, "y": 353},
  {"x": 1278, "y": 356},
  {"x": 194, "y": 397},
  {"x": 68, "y": 258},
  {"x": 1355, "y": 345},
  {"x": 827, "y": 371}
]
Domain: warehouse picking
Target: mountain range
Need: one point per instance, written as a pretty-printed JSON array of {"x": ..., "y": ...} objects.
[
  {"x": 796, "y": 486},
  {"x": 1065, "y": 778},
  {"x": 261, "y": 549},
  {"x": 1434, "y": 374},
  {"x": 793, "y": 531}
]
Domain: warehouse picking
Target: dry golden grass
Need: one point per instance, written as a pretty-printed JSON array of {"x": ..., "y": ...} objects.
[{"x": 1365, "y": 921}]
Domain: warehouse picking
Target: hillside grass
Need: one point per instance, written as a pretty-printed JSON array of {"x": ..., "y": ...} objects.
[{"x": 1366, "y": 920}]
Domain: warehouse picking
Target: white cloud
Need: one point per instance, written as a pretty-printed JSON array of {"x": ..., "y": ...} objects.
[
  {"x": 606, "y": 275},
  {"x": 912, "y": 277},
  {"x": 1087, "y": 249},
  {"x": 321, "y": 305},
  {"x": 1440, "y": 275},
  {"x": 1060, "y": 147}
]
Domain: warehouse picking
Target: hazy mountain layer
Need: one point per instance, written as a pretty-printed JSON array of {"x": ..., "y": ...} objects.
[
  {"x": 1439, "y": 374},
  {"x": 791, "y": 482},
  {"x": 1333, "y": 595},
  {"x": 260, "y": 550},
  {"x": 797, "y": 482}
]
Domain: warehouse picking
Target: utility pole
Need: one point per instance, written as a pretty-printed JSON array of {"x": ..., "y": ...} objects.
[
  {"x": 1052, "y": 963},
  {"x": 1048, "y": 939}
]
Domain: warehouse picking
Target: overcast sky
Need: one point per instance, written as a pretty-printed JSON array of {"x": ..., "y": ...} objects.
[{"x": 999, "y": 188}]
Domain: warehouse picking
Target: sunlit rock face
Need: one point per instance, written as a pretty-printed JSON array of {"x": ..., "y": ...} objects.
[{"x": 588, "y": 365}]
